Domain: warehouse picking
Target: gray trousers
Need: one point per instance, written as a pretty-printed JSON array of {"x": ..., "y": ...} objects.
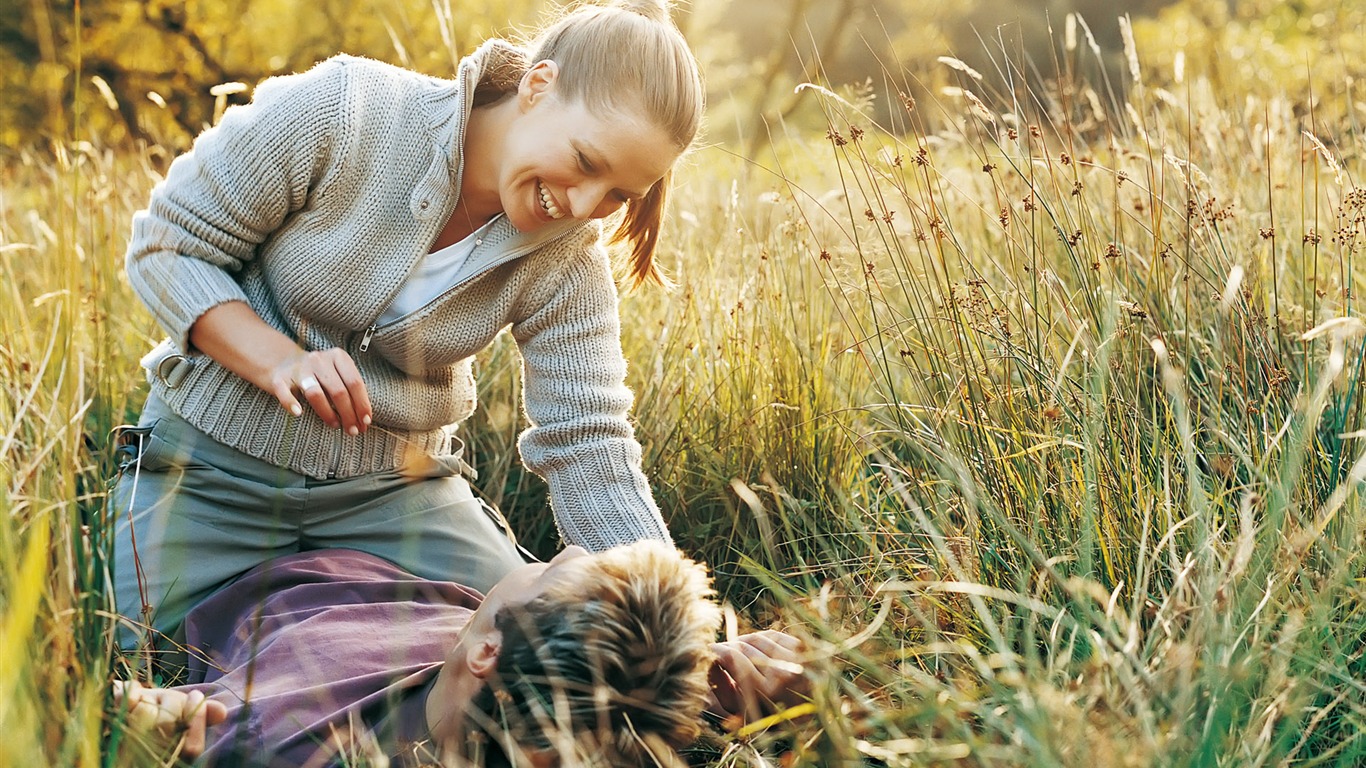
[{"x": 191, "y": 515}]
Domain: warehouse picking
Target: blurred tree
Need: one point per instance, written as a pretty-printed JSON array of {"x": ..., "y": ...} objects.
[
  {"x": 142, "y": 69},
  {"x": 757, "y": 53},
  {"x": 24, "y": 97},
  {"x": 1032, "y": 34}
]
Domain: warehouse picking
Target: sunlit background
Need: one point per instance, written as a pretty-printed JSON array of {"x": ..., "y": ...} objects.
[
  {"x": 1015, "y": 360},
  {"x": 120, "y": 69}
]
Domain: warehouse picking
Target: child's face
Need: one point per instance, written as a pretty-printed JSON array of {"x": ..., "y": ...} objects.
[{"x": 527, "y": 582}]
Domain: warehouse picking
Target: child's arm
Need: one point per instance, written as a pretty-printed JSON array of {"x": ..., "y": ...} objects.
[
  {"x": 169, "y": 713},
  {"x": 756, "y": 675}
]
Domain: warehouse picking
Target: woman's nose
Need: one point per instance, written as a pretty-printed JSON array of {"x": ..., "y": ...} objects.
[{"x": 591, "y": 201}]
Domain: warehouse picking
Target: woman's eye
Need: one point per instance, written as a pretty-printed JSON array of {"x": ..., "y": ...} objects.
[{"x": 584, "y": 165}]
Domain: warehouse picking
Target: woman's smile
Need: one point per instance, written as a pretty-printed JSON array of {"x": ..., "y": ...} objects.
[
  {"x": 547, "y": 157},
  {"x": 548, "y": 203}
]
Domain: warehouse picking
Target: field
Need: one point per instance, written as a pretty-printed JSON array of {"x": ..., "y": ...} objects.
[{"x": 1036, "y": 409}]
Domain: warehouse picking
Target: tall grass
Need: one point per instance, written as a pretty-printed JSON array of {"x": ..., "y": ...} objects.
[
  {"x": 1029, "y": 411},
  {"x": 1110, "y": 367},
  {"x": 67, "y": 327}
]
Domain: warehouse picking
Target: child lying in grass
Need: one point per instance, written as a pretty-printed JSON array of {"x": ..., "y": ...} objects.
[{"x": 324, "y": 654}]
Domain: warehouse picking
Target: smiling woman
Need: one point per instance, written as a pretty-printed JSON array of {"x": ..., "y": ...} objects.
[
  {"x": 547, "y": 156},
  {"x": 327, "y": 261}
]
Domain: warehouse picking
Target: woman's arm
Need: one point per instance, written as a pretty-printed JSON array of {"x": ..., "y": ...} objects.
[
  {"x": 220, "y": 201},
  {"x": 576, "y": 398},
  {"x": 230, "y": 192},
  {"x": 239, "y": 340}
]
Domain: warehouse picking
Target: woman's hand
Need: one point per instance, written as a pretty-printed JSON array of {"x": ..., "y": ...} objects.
[
  {"x": 167, "y": 713},
  {"x": 239, "y": 340},
  {"x": 329, "y": 382},
  {"x": 757, "y": 674}
]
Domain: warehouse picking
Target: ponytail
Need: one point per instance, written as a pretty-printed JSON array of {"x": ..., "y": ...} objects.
[{"x": 640, "y": 227}]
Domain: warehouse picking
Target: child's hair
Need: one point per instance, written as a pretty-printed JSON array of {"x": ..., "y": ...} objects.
[
  {"x": 610, "y": 664},
  {"x": 626, "y": 54}
]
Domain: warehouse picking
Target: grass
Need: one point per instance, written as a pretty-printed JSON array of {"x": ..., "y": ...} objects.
[{"x": 1013, "y": 407}]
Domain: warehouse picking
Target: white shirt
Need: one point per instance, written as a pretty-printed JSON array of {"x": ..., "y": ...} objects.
[{"x": 433, "y": 275}]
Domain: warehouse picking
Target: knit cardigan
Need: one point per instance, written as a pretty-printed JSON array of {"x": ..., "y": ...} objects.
[{"x": 312, "y": 204}]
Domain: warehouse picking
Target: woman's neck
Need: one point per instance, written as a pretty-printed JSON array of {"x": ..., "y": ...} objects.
[{"x": 482, "y": 152}]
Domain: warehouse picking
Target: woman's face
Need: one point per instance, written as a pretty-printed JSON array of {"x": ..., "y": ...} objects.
[{"x": 561, "y": 160}]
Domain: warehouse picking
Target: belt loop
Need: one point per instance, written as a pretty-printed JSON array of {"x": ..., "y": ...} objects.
[
  {"x": 458, "y": 450},
  {"x": 469, "y": 472},
  {"x": 129, "y": 441}
]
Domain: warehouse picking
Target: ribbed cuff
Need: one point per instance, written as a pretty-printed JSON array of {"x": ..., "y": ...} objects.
[{"x": 601, "y": 498}]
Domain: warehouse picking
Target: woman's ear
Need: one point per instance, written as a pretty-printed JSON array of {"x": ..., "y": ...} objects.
[
  {"x": 483, "y": 657},
  {"x": 538, "y": 82}
]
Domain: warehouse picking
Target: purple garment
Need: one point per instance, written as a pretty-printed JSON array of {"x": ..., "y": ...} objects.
[{"x": 317, "y": 644}]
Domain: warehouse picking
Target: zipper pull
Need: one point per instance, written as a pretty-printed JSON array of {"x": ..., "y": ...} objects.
[{"x": 365, "y": 340}]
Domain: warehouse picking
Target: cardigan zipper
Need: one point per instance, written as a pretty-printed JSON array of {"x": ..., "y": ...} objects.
[
  {"x": 459, "y": 182},
  {"x": 370, "y": 331}
]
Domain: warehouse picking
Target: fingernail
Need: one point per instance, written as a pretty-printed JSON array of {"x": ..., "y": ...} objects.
[
  {"x": 296, "y": 410},
  {"x": 352, "y": 431},
  {"x": 366, "y": 419}
]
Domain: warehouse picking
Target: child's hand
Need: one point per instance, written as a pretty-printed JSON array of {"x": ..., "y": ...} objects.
[
  {"x": 757, "y": 674},
  {"x": 169, "y": 713}
]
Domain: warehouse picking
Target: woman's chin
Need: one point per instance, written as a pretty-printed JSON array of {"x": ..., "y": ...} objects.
[{"x": 527, "y": 220}]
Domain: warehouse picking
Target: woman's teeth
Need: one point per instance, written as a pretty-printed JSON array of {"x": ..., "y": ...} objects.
[{"x": 552, "y": 210}]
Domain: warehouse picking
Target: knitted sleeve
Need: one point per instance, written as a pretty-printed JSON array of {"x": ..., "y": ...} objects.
[
  {"x": 576, "y": 399},
  {"x": 229, "y": 193}
]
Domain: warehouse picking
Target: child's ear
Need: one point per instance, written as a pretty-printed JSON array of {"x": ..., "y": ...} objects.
[{"x": 483, "y": 657}]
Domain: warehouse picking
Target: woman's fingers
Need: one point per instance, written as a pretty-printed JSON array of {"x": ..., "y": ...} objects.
[
  {"x": 330, "y": 383},
  {"x": 290, "y": 386},
  {"x": 329, "y": 397},
  {"x": 356, "y": 392}
]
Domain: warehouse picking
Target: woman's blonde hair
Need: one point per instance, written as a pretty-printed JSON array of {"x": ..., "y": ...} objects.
[{"x": 622, "y": 54}]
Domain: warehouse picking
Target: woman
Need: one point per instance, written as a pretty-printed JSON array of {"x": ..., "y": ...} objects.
[{"x": 328, "y": 260}]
